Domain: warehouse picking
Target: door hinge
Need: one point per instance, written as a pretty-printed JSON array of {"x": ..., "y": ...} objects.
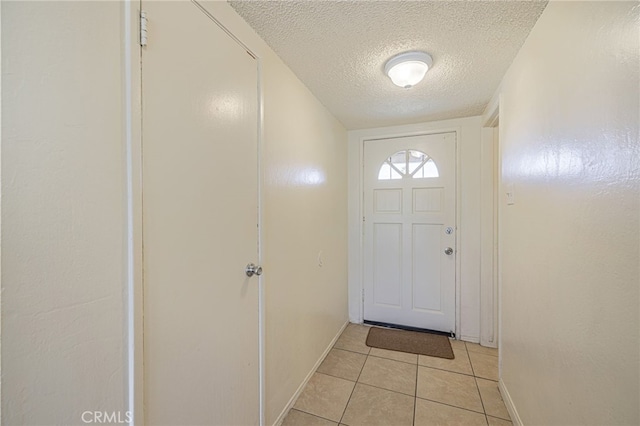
[
  {"x": 363, "y": 295},
  {"x": 143, "y": 28}
]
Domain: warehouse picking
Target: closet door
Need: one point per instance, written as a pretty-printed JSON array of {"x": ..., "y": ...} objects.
[{"x": 200, "y": 221}]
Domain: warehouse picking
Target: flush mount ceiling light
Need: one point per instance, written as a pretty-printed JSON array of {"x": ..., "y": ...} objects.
[{"x": 408, "y": 69}]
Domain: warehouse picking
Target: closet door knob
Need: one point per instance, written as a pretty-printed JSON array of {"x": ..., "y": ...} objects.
[{"x": 252, "y": 270}]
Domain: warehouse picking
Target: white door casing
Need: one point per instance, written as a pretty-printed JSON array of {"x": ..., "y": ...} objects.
[
  {"x": 200, "y": 217},
  {"x": 409, "y": 280}
]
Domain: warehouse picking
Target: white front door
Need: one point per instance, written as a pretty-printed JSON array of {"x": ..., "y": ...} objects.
[
  {"x": 200, "y": 217},
  {"x": 409, "y": 231}
]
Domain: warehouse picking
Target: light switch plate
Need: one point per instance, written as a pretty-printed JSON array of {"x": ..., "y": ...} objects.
[{"x": 511, "y": 197}]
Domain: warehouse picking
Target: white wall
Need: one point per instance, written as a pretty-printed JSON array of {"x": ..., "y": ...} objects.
[
  {"x": 569, "y": 113},
  {"x": 469, "y": 209},
  {"x": 63, "y": 216},
  {"x": 305, "y": 194}
]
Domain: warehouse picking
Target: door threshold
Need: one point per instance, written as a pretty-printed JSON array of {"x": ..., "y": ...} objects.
[{"x": 409, "y": 328}]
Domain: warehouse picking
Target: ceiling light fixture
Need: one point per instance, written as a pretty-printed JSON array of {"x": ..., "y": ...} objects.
[{"x": 408, "y": 69}]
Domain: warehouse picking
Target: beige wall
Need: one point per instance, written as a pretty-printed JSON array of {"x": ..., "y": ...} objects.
[
  {"x": 570, "y": 244},
  {"x": 305, "y": 212},
  {"x": 63, "y": 215}
]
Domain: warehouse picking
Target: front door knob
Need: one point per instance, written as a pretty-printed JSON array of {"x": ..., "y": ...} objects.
[
  {"x": 448, "y": 251},
  {"x": 252, "y": 270}
]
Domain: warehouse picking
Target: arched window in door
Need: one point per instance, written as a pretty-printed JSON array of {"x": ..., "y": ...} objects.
[{"x": 408, "y": 164}]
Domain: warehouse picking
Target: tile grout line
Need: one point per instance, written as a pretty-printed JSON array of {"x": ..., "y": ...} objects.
[
  {"x": 473, "y": 371},
  {"x": 311, "y": 414},
  {"x": 377, "y": 387},
  {"x": 337, "y": 377},
  {"x": 415, "y": 398},
  {"x": 482, "y": 353},
  {"x": 325, "y": 418},
  {"x": 500, "y": 418},
  {"x": 354, "y": 389},
  {"x": 479, "y": 352},
  {"x": 448, "y": 371},
  {"x": 392, "y": 359},
  {"x": 417, "y": 366},
  {"x": 384, "y": 389},
  {"x": 349, "y": 350},
  {"x": 452, "y": 406},
  {"x": 475, "y": 380}
]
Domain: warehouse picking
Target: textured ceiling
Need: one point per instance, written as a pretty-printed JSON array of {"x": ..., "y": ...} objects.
[{"x": 339, "y": 48}]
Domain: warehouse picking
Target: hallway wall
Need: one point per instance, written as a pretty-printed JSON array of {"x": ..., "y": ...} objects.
[
  {"x": 63, "y": 212},
  {"x": 305, "y": 211},
  {"x": 569, "y": 113}
]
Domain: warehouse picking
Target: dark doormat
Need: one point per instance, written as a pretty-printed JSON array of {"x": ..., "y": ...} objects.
[{"x": 413, "y": 342}]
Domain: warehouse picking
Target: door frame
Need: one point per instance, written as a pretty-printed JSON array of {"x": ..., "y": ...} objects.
[
  {"x": 132, "y": 136},
  {"x": 490, "y": 178},
  {"x": 491, "y": 284},
  {"x": 134, "y": 303},
  {"x": 356, "y": 210}
]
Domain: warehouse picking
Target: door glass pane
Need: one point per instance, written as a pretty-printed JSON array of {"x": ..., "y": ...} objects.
[
  {"x": 399, "y": 160},
  {"x": 408, "y": 164},
  {"x": 415, "y": 160},
  {"x": 429, "y": 170},
  {"x": 388, "y": 173},
  {"x": 395, "y": 175}
]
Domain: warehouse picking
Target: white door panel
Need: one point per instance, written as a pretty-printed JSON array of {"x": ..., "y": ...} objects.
[
  {"x": 409, "y": 203},
  {"x": 426, "y": 268},
  {"x": 200, "y": 216},
  {"x": 387, "y": 263}
]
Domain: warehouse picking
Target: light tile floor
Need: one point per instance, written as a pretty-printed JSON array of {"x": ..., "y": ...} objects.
[{"x": 357, "y": 385}]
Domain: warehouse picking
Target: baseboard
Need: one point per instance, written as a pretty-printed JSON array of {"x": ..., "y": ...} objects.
[
  {"x": 295, "y": 396},
  {"x": 508, "y": 402},
  {"x": 470, "y": 339},
  {"x": 489, "y": 344}
]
